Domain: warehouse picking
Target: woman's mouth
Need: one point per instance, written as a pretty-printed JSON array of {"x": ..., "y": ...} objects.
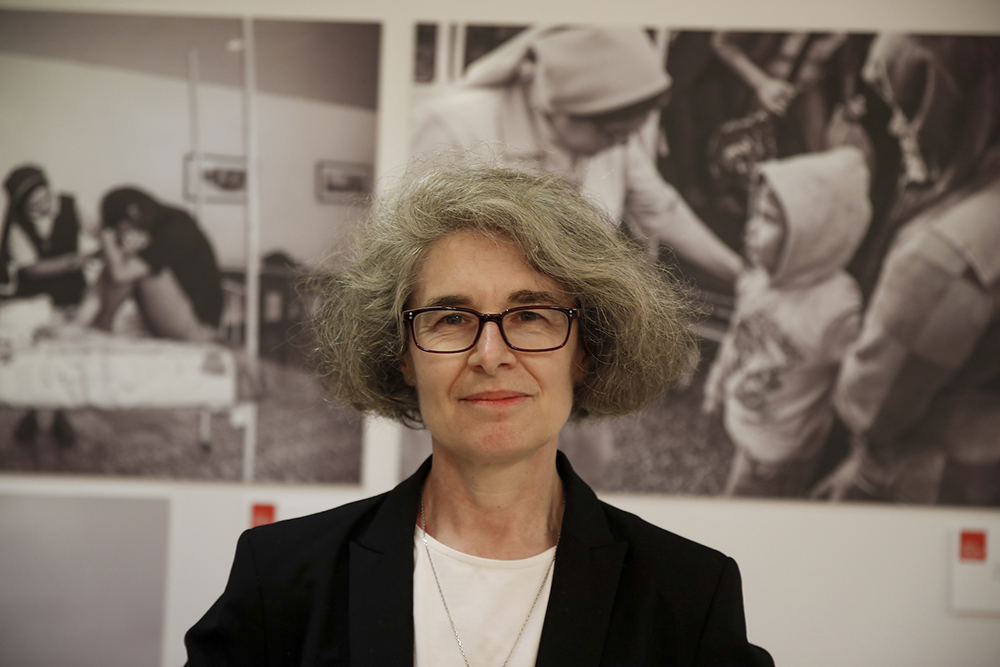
[{"x": 495, "y": 399}]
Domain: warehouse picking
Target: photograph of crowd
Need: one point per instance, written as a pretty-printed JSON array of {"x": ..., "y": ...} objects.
[
  {"x": 831, "y": 199},
  {"x": 161, "y": 207}
]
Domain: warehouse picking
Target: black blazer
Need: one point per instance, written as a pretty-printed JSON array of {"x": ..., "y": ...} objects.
[{"x": 336, "y": 588}]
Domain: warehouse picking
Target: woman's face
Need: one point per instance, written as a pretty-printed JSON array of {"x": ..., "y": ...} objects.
[
  {"x": 490, "y": 404},
  {"x": 39, "y": 204}
]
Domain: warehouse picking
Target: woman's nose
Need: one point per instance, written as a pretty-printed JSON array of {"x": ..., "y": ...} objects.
[{"x": 491, "y": 351}]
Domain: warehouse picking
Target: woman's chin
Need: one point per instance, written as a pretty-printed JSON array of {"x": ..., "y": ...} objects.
[{"x": 494, "y": 444}]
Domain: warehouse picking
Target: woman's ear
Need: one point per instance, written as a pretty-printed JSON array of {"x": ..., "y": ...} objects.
[
  {"x": 406, "y": 366},
  {"x": 581, "y": 364}
]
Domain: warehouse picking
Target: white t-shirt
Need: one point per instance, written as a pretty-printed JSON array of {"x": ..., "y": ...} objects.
[{"x": 488, "y": 600}]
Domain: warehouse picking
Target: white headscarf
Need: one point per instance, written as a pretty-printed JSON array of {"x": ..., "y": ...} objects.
[{"x": 577, "y": 71}]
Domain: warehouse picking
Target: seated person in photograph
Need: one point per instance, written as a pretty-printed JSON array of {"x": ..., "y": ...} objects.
[
  {"x": 471, "y": 304},
  {"x": 158, "y": 255},
  {"x": 797, "y": 311},
  {"x": 42, "y": 252}
]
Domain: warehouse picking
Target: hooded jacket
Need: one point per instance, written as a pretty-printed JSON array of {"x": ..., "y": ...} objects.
[{"x": 792, "y": 327}]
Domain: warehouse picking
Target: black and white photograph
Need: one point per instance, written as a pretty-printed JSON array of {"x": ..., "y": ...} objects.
[
  {"x": 160, "y": 215},
  {"x": 828, "y": 198}
]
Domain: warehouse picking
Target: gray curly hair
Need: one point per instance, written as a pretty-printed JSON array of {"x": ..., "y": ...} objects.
[{"x": 634, "y": 321}]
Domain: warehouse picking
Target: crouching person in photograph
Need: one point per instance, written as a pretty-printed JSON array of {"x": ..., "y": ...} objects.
[
  {"x": 797, "y": 311},
  {"x": 159, "y": 256},
  {"x": 472, "y": 305}
]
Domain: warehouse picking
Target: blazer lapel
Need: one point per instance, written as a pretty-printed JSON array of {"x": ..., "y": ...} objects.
[
  {"x": 588, "y": 565},
  {"x": 381, "y": 580}
]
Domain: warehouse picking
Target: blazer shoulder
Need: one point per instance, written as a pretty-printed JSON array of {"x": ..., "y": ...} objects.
[
  {"x": 314, "y": 534},
  {"x": 648, "y": 541}
]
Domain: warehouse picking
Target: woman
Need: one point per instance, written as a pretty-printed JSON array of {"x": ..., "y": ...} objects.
[
  {"x": 41, "y": 254},
  {"x": 160, "y": 256},
  {"x": 923, "y": 382},
  {"x": 494, "y": 550}
]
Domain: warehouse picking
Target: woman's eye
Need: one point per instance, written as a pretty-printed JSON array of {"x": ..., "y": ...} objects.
[{"x": 453, "y": 320}]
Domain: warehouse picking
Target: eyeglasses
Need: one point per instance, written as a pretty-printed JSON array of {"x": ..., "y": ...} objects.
[{"x": 446, "y": 329}]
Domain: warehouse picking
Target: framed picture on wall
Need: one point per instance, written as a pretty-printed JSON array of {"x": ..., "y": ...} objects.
[
  {"x": 158, "y": 408},
  {"x": 220, "y": 179},
  {"x": 342, "y": 182},
  {"x": 745, "y": 423}
]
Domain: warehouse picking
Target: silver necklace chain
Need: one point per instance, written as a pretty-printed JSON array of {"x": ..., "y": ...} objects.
[{"x": 423, "y": 530}]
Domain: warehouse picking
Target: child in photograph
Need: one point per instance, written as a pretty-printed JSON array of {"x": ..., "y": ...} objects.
[{"x": 797, "y": 311}]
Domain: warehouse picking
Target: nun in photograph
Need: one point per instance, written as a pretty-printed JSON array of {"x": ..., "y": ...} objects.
[
  {"x": 572, "y": 100},
  {"x": 42, "y": 252},
  {"x": 471, "y": 304}
]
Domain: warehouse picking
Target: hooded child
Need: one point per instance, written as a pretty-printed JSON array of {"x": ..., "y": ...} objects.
[{"x": 797, "y": 311}]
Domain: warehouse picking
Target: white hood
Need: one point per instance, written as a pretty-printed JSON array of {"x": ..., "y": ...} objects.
[{"x": 824, "y": 197}]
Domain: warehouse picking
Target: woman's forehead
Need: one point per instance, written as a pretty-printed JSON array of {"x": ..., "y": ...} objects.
[{"x": 468, "y": 267}]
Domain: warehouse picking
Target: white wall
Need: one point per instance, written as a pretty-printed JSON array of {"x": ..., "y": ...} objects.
[
  {"x": 89, "y": 589},
  {"x": 865, "y": 585},
  {"x": 291, "y": 219}
]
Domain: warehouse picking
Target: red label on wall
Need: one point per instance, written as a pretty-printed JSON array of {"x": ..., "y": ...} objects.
[
  {"x": 261, "y": 514},
  {"x": 973, "y": 545}
]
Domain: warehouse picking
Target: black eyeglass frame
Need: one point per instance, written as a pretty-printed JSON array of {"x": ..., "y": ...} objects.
[{"x": 497, "y": 318}]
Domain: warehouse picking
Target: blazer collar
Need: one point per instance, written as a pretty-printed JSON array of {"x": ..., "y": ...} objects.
[
  {"x": 380, "y": 596},
  {"x": 588, "y": 565},
  {"x": 585, "y": 579}
]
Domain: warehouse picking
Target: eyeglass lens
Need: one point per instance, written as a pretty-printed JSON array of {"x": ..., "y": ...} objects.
[{"x": 451, "y": 330}]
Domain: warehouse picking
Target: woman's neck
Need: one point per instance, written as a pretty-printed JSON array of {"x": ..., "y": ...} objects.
[{"x": 503, "y": 511}]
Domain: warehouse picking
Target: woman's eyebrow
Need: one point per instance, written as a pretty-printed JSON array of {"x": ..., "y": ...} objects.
[
  {"x": 456, "y": 300},
  {"x": 518, "y": 298},
  {"x": 533, "y": 298}
]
